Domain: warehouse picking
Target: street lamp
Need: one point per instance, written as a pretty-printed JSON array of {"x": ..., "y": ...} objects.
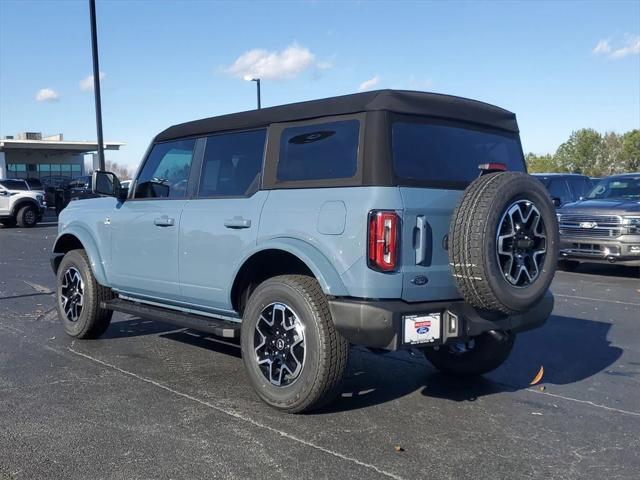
[
  {"x": 249, "y": 78},
  {"x": 96, "y": 81}
]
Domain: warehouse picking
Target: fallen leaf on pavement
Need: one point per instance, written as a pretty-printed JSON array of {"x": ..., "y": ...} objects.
[{"x": 538, "y": 376}]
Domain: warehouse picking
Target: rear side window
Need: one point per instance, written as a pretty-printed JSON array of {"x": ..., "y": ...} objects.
[
  {"x": 558, "y": 188},
  {"x": 166, "y": 171},
  {"x": 232, "y": 164},
  {"x": 580, "y": 186},
  {"x": 319, "y": 151},
  {"x": 448, "y": 156}
]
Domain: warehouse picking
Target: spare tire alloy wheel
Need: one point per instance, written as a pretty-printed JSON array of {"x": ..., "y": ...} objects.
[
  {"x": 522, "y": 243},
  {"x": 503, "y": 243},
  {"x": 279, "y": 344}
]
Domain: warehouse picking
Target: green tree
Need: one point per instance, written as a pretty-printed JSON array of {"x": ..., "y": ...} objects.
[
  {"x": 630, "y": 151},
  {"x": 610, "y": 161},
  {"x": 541, "y": 163},
  {"x": 582, "y": 153}
]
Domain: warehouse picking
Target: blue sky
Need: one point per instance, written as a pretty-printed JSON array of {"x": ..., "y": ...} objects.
[{"x": 559, "y": 65}]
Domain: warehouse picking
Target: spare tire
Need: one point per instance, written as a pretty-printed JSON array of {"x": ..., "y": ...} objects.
[{"x": 503, "y": 242}]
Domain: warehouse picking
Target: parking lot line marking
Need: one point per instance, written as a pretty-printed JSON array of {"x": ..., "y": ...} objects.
[
  {"x": 597, "y": 299},
  {"x": 588, "y": 402},
  {"x": 238, "y": 416}
]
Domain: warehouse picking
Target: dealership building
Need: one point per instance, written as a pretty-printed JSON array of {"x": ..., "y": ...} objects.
[{"x": 49, "y": 159}]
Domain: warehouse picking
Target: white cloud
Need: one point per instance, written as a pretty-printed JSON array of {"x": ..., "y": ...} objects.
[
  {"x": 630, "y": 47},
  {"x": 273, "y": 65},
  {"x": 369, "y": 84},
  {"x": 86, "y": 84},
  {"x": 601, "y": 48},
  {"x": 47, "y": 95}
]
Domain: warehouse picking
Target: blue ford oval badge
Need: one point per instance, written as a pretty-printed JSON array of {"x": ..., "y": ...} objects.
[
  {"x": 422, "y": 330},
  {"x": 419, "y": 280}
]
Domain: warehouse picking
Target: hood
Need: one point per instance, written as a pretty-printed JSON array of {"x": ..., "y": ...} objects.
[{"x": 613, "y": 206}]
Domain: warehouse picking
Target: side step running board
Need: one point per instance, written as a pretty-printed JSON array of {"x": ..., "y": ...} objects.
[{"x": 221, "y": 328}]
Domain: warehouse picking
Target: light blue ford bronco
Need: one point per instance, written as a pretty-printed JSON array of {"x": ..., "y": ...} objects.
[{"x": 387, "y": 219}]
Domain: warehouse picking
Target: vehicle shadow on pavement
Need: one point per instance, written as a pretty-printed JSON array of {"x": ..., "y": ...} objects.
[
  {"x": 136, "y": 327},
  {"x": 570, "y": 349},
  {"x": 206, "y": 341},
  {"x": 608, "y": 270}
]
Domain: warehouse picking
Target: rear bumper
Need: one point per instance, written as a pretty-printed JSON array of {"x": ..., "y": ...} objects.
[{"x": 379, "y": 323}]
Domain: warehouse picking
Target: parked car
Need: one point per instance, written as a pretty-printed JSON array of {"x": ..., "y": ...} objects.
[
  {"x": 79, "y": 188},
  {"x": 19, "y": 205},
  {"x": 604, "y": 226},
  {"x": 35, "y": 185},
  {"x": 565, "y": 187},
  {"x": 384, "y": 219}
]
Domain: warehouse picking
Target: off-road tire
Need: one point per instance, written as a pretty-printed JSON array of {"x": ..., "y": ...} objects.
[
  {"x": 27, "y": 216},
  {"x": 473, "y": 244},
  {"x": 568, "y": 265},
  {"x": 487, "y": 354},
  {"x": 93, "y": 320},
  {"x": 327, "y": 350}
]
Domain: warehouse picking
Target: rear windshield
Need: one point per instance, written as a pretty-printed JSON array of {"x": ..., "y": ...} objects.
[{"x": 447, "y": 156}]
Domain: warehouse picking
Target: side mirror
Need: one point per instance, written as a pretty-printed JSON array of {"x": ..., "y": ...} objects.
[
  {"x": 105, "y": 183},
  {"x": 556, "y": 201}
]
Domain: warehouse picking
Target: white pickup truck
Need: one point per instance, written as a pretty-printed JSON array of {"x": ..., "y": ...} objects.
[{"x": 20, "y": 205}]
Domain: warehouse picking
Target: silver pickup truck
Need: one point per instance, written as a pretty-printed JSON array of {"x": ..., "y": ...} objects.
[{"x": 604, "y": 226}]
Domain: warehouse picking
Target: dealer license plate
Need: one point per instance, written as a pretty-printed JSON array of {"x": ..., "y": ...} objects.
[{"x": 422, "y": 328}]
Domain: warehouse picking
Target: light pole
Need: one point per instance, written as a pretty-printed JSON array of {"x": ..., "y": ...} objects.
[
  {"x": 96, "y": 82},
  {"x": 249, "y": 78}
]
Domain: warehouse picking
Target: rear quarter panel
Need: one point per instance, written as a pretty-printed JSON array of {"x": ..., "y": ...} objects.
[{"x": 333, "y": 221}]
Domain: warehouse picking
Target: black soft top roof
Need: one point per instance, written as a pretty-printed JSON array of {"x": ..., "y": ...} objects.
[{"x": 397, "y": 101}]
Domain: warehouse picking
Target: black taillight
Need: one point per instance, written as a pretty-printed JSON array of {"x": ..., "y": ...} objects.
[{"x": 383, "y": 240}]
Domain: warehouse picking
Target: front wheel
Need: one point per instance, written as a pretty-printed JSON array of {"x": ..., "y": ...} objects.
[
  {"x": 78, "y": 298},
  {"x": 27, "y": 216},
  {"x": 294, "y": 357},
  {"x": 476, "y": 356}
]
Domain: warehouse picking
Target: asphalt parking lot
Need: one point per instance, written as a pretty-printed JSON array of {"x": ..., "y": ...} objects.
[{"x": 152, "y": 401}]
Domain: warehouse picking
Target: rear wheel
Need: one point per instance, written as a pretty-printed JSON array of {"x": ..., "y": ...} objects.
[
  {"x": 27, "y": 216},
  {"x": 78, "y": 297},
  {"x": 476, "y": 356},
  {"x": 294, "y": 357}
]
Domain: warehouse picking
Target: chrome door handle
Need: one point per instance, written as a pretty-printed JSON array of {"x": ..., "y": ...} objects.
[
  {"x": 237, "y": 222},
  {"x": 164, "y": 221}
]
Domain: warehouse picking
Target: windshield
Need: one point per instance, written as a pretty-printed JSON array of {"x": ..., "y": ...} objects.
[
  {"x": 14, "y": 184},
  {"x": 627, "y": 188}
]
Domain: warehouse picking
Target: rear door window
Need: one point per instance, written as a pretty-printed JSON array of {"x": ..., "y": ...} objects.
[
  {"x": 232, "y": 164},
  {"x": 319, "y": 151},
  {"x": 448, "y": 155},
  {"x": 580, "y": 186},
  {"x": 558, "y": 188}
]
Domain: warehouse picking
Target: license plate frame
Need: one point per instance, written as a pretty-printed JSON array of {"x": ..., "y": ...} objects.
[{"x": 422, "y": 328}]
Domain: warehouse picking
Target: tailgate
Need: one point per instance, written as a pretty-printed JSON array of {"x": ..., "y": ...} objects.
[{"x": 425, "y": 223}]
